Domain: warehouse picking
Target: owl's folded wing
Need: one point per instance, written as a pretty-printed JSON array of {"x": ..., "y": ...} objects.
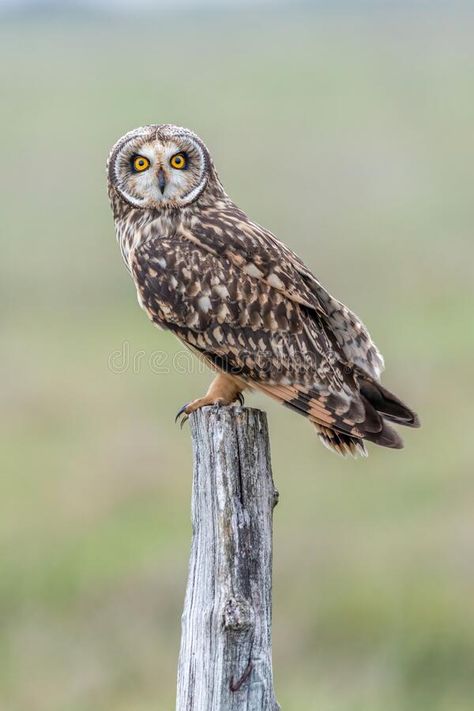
[
  {"x": 258, "y": 253},
  {"x": 228, "y": 313},
  {"x": 250, "y": 329}
]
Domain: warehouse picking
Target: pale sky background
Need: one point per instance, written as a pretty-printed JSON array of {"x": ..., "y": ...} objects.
[{"x": 133, "y": 4}]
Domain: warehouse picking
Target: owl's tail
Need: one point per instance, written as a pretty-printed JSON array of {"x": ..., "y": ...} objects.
[
  {"x": 366, "y": 418},
  {"x": 341, "y": 443}
]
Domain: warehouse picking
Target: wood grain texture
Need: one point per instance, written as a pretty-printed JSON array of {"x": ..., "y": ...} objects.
[{"x": 225, "y": 661}]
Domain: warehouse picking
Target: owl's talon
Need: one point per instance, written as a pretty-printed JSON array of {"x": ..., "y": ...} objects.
[
  {"x": 181, "y": 411},
  {"x": 222, "y": 391}
]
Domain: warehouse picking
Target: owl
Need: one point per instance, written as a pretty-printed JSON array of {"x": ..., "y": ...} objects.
[{"x": 241, "y": 299}]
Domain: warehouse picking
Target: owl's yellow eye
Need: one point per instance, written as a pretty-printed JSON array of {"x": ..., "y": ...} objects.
[
  {"x": 178, "y": 161},
  {"x": 140, "y": 163}
]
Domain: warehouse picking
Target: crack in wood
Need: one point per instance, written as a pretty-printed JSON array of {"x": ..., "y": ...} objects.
[{"x": 235, "y": 686}]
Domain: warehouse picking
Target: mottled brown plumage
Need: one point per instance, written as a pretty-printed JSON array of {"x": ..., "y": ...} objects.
[{"x": 241, "y": 299}]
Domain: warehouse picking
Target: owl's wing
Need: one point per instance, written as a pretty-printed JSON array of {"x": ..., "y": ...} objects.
[
  {"x": 252, "y": 330},
  {"x": 259, "y": 253}
]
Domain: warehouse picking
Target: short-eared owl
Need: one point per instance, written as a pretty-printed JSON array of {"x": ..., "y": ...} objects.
[{"x": 241, "y": 299}]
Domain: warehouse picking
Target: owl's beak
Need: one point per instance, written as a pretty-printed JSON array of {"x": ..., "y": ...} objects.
[{"x": 161, "y": 180}]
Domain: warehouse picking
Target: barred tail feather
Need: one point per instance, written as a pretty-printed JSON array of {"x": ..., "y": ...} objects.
[
  {"x": 340, "y": 443},
  {"x": 364, "y": 418}
]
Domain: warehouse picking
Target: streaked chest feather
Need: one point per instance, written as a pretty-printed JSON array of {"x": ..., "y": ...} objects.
[{"x": 137, "y": 229}]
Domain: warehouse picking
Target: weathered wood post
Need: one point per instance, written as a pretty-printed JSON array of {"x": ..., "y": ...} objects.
[{"x": 225, "y": 661}]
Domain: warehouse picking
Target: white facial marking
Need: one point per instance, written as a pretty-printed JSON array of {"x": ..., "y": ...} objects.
[{"x": 142, "y": 188}]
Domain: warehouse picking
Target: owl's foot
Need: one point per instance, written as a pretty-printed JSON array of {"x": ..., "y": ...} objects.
[{"x": 224, "y": 390}]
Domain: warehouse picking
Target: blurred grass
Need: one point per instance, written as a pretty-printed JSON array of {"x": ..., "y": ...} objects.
[{"x": 348, "y": 134}]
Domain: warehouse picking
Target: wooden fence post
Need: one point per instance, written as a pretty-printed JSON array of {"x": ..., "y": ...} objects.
[{"x": 225, "y": 661}]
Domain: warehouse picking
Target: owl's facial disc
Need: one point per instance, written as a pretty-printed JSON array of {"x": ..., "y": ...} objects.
[{"x": 159, "y": 168}]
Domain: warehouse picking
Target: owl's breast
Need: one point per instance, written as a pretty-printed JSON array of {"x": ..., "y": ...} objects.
[
  {"x": 133, "y": 231},
  {"x": 139, "y": 245},
  {"x": 125, "y": 242}
]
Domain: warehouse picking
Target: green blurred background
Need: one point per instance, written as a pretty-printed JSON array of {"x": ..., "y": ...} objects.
[{"x": 349, "y": 132}]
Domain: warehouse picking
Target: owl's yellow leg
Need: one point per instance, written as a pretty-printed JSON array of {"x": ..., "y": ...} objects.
[{"x": 223, "y": 390}]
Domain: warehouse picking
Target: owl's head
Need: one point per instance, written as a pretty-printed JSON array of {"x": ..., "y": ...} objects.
[{"x": 160, "y": 167}]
